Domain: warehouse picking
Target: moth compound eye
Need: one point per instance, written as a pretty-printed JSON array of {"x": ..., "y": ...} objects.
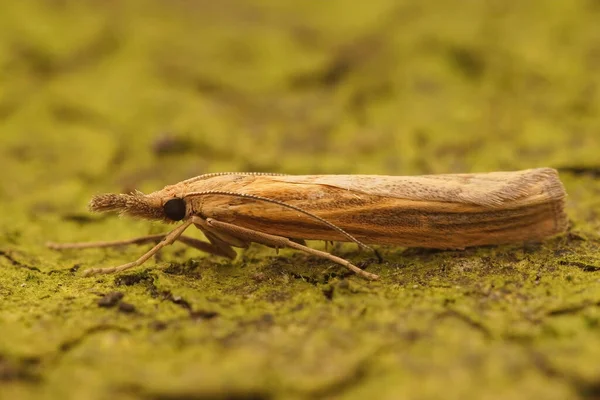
[{"x": 175, "y": 209}]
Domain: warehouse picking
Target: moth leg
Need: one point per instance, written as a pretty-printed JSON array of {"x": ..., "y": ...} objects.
[
  {"x": 221, "y": 250},
  {"x": 167, "y": 240},
  {"x": 282, "y": 242},
  {"x": 192, "y": 242},
  {"x": 217, "y": 237},
  {"x": 299, "y": 241},
  {"x": 112, "y": 243},
  {"x": 379, "y": 256}
]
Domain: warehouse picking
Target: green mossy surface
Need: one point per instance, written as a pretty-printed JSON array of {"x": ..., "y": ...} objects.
[{"x": 108, "y": 96}]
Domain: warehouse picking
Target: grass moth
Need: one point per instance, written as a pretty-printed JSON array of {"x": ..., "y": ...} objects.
[{"x": 450, "y": 211}]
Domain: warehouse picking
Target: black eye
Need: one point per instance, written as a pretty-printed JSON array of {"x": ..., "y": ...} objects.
[{"x": 175, "y": 209}]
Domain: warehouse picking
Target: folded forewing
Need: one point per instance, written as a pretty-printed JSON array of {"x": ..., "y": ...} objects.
[{"x": 493, "y": 189}]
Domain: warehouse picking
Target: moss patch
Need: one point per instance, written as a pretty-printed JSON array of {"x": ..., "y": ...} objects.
[{"x": 115, "y": 96}]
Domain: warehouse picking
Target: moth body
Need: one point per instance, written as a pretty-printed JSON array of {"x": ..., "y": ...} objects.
[
  {"x": 436, "y": 211},
  {"x": 452, "y": 211}
]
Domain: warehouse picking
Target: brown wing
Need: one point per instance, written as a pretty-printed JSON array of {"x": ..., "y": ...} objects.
[
  {"x": 442, "y": 211},
  {"x": 491, "y": 189}
]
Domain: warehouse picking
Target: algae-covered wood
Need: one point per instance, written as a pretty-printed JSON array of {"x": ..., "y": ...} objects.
[{"x": 100, "y": 96}]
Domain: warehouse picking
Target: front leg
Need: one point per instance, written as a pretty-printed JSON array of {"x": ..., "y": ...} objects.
[
  {"x": 250, "y": 235},
  {"x": 167, "y": 240},
  {"x": 221, "y": 251},
  {"x": 163, "y": 240}
]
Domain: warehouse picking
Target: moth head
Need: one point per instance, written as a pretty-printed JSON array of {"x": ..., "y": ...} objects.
[{"x": 155, "y": 206}]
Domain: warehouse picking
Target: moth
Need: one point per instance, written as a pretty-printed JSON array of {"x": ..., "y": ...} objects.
[{"x": 451, "y": 211}]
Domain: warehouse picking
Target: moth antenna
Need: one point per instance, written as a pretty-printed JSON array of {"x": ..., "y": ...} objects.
[
  {"x": 214, "y": 174},
  {"x": 281, "y": 203}
]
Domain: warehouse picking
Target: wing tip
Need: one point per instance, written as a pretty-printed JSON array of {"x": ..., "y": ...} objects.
[{"x": 527, "y": 183}]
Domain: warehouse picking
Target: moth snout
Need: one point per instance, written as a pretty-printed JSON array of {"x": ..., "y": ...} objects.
[
  {"x": 135, "y": 205},
  {"x": 108, "y": 202}
]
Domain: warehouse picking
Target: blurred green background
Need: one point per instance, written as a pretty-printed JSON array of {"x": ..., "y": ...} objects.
[{"x": 100, "y": 96}]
